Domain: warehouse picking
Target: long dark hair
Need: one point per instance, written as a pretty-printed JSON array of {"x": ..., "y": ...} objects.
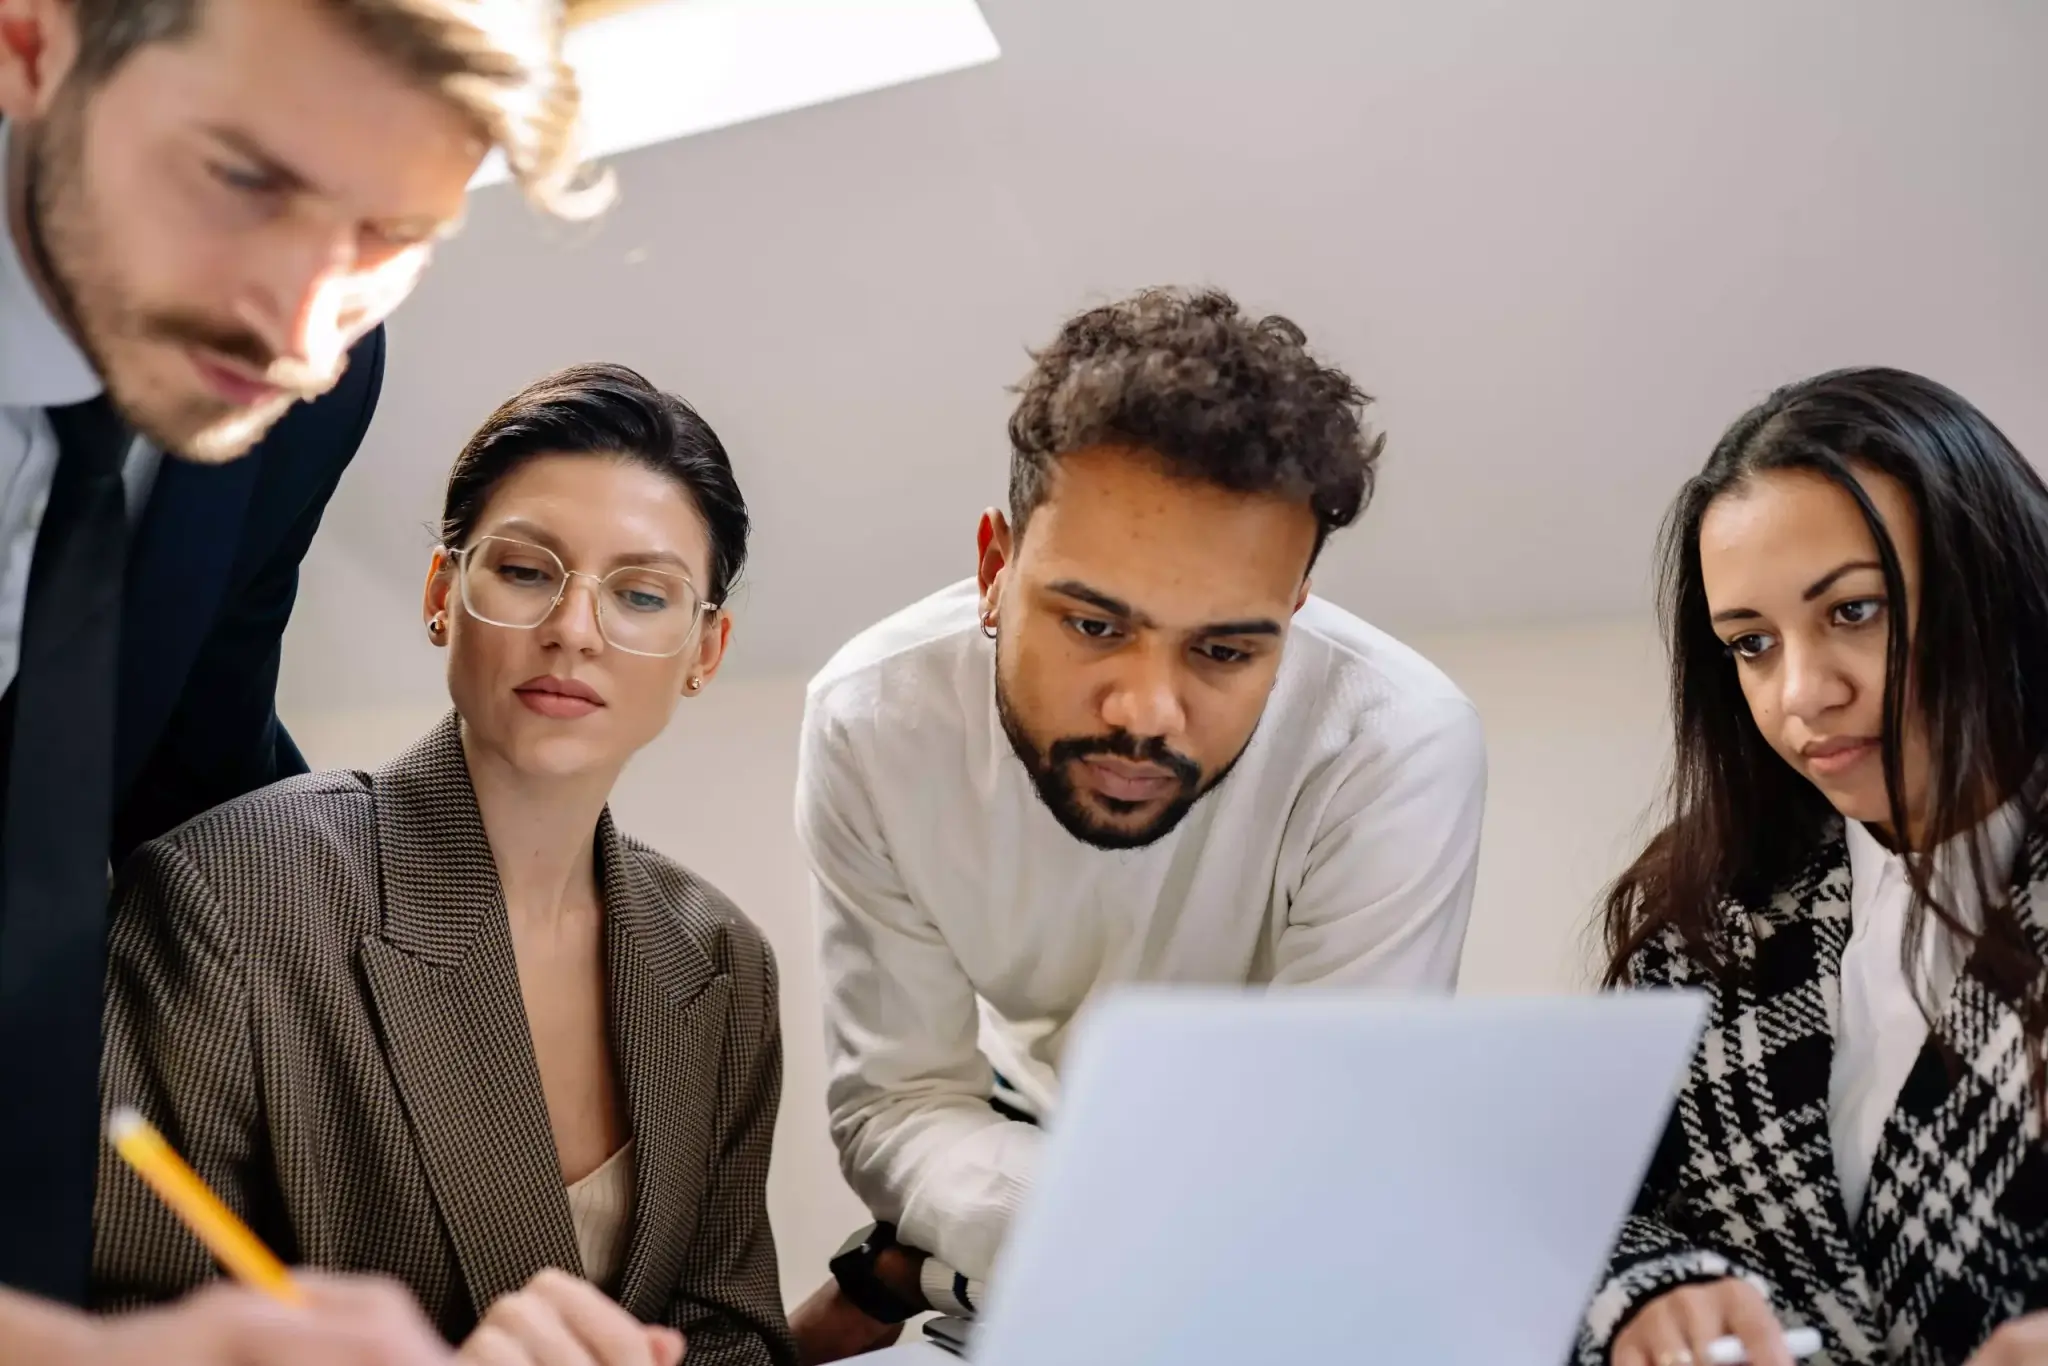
[{"x": 1975, "y": 668}]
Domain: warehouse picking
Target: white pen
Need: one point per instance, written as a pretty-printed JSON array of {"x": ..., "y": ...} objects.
[{"x": 1800, "y": 1342}]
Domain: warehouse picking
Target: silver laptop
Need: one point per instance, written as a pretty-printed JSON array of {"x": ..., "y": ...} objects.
[{"x": 1313, "y": 1177}]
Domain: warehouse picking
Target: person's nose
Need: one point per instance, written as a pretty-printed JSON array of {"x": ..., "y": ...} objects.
[
  {"x": 574, "y": 625},
  {"x": 303, "y": 302},
  {"x": 1814, "y": 683},
  {"x": 1145, "y": 699}
]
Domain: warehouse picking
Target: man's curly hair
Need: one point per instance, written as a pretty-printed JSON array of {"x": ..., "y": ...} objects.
[{"x": 1219, "y": 397}]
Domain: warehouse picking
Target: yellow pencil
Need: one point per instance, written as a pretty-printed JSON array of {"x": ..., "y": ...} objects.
[{"x": 212, "y": 1222}]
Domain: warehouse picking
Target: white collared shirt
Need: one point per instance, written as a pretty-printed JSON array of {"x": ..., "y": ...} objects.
[
  {"x": 40, "y": 367},
  {"x": 1882, "y": 1029}
]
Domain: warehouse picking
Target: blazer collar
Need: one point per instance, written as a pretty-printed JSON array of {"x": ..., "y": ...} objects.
[
  {"x": 668, "y": 1006},
  {"x": 2030, "y": 888},
  {"x": 442, "y": 899},
  {"x": 445, "y": 983},
  {"x": 440, "y": 881},
  {"x": 1858, "y": 1261},
  {"x": 1778, "y": 1032}
]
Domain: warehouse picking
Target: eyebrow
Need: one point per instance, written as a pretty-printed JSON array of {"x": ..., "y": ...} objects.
[
  {"x": 1117, "y": 607},
  {"x": 420, "y": 227},
  {"x": 246, "y": 147},
  {"x": 520, "y": 529},
  {"x": 1812, "y": 590}
]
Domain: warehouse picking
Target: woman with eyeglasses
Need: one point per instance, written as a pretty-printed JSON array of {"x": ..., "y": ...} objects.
[{"x": 443, "y": 1020}]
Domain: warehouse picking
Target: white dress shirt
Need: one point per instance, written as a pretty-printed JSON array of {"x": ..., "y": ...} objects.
[
  {"x": 1882, "y": 1029},
  {"x": 963, "y": 928},
  {"x": 40, "y": 367}
]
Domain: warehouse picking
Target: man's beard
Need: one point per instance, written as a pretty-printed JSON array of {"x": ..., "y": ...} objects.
[
  {"x": 1050, "y": 769},
  {"x": 63, "y": 238}
]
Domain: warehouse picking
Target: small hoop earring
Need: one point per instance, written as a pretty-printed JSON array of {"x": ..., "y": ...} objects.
[
  {"x": 435, "y": 627},
  {"x": 988, "y": 624}
]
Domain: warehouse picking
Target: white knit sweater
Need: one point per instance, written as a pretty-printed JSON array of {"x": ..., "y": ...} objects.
[{"x": 963, "y": 927}]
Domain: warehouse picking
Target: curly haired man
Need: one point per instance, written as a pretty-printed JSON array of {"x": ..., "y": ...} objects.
[{"x": 1132, "y": 747}]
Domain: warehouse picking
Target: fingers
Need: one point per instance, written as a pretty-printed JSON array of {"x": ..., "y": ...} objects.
[
  {"x": 1672, "y": 1343},
  {"x": 1680, "y": 1327},
  {"x": 1703, "y": 1317},
  {"x": 491, "y": 1345},
  {"x": 1631, "y": 1346},
  {"x": 1749, "y": 1316},
  {"x": 349, "y": 1321},
  {"x": 2018, "y": 1342},
  {"x": 377, "y": 1300},
  {"x": 536, "y": 1329},
  {"x": 664, "y": 1345},
  {"x": 608, "y": 1334},
  {"x": 1656, "y": 1336}
]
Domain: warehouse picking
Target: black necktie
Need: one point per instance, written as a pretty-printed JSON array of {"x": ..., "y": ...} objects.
[{"x": 53, "y": 860}]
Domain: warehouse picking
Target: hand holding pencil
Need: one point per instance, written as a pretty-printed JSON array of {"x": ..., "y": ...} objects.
[
  {"x": 274, "y": 1317},
  {"x": 240, "y": 1252},
  {"x": 557, "y": 1317}
]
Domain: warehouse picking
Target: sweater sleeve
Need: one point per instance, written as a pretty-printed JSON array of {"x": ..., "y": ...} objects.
[
  {"x": 1387, "y": 889},
  {"x": 1652, "y": 1255},
  {"x": 907, "y": 1084}
]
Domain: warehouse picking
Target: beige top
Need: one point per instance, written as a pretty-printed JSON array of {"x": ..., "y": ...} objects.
[{"x": 601, "y": 1207}]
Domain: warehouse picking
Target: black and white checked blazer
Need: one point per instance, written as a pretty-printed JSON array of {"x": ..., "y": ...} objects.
[
  {"x": 312, "y": 992},
  {"x": 1953, "y": 1239}
]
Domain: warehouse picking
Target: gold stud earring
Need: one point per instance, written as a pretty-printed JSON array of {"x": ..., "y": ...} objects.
[{"x": 694, "y": 684}]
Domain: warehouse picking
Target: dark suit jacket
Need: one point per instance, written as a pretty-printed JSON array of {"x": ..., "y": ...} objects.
[
  {"x": 1953, "y": 1236},
  {"x": 212, "y": 572},
  {"x": 312, "y": 991}
]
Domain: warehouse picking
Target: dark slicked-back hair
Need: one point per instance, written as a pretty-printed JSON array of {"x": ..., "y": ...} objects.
[{"x": 605, "y": 410}]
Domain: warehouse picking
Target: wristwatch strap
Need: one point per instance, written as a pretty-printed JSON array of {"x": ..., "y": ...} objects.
[{"x": 854, "y": 1269}]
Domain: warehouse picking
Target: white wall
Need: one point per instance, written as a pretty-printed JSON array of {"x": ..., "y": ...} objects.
[
  {"x": 1574, "y": 728},
  {"x": 1575, "y": 738}
]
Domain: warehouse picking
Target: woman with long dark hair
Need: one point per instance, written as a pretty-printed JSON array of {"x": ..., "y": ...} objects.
[{"x": 1855, "y": 592}]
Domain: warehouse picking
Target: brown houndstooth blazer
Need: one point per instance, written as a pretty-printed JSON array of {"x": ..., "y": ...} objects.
[{"x": 312, "y": 992}]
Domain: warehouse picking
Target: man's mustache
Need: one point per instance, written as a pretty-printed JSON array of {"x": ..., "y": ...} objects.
[
  {"x": 1121, "y": 744},
  {"x": 239, "y": 344}
]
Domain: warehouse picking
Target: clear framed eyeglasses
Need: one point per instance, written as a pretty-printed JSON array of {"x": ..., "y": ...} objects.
[{"x": 640, "y": 610}]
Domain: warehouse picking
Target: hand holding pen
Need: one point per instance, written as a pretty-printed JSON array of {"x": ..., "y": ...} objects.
[{"x": 1715, "y": 1323}]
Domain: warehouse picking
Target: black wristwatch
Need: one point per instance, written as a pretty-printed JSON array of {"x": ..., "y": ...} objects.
[{"x": 854, "y": 1269}]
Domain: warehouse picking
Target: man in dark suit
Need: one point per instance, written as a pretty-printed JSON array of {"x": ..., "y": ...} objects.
[
  {"x": 213, "y": 567},
  {"x": 211, "y": 207}
]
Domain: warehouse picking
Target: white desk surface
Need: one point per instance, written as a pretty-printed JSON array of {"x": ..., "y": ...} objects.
[{"x": 909, "y": 1353}]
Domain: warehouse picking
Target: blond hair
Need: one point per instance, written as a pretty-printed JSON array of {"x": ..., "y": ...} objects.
[{"x": 500, "y": 61}]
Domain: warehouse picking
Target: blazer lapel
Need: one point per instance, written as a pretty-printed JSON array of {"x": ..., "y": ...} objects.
[
  {"x": 668, "y": 1018},
  {"x": 1970, "y": 1080},
  {"x": 446, "y": 990},
  {"x": 178, "y": 567},
  {"x": 1778, "y": 1056}
]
